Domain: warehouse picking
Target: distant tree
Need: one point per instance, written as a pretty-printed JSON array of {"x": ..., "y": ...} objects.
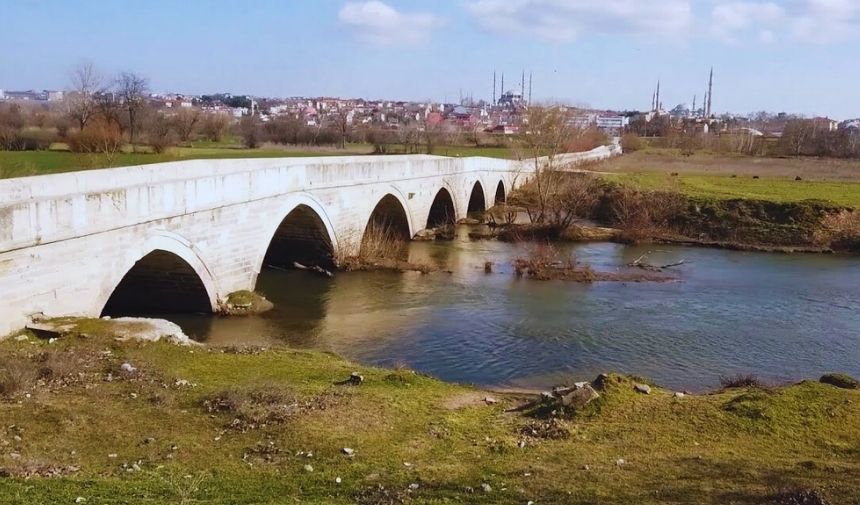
[
  {"x": 184, "y": 122},
  {"x": 86, "y": 84},
  {"x": 132, "y": 90},
  {"x": 251, "y": 132},
  {"x": 214, "y": 126},
  {"x": 342, "y": 125},
  {"x": 160, "y": 132}
]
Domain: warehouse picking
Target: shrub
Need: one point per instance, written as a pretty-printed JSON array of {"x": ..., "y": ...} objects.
[
  {"x": 840, "y": 380},
  {"x": 26, "y": 140},
  {"x": 630, "y": 142},
  {"x": 839, "y": 231},
  {"x": 15, "y": 375},
  {"x": 740, "y": 381},
  {"x": 98, "y": 137}
]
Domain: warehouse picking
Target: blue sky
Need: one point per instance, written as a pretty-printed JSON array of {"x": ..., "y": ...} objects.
[{"x": 777, "y": 55}]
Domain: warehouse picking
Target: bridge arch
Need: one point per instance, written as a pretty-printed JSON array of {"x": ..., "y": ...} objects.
[
  {"x": 501, "y": 195},
  {"x": 477, "y": 200},
  {"x": 390, "y": 215},
  {"x": 443, "y": 210},
  {"x": 303, "y": 237},
  {"x": 162, "y": 275}
]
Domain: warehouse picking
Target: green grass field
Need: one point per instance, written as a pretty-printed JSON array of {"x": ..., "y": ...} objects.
[
  {"x": 22, "y": 164},
  {"x": 724, "y": 187},
  {"x": 209, "y": 425}
]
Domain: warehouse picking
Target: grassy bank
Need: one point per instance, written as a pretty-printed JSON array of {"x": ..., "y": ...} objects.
[
  {"x": 26, "y": 163},
  {"x": 193, "y": 425},
  {"x": 845, "y": 194}
]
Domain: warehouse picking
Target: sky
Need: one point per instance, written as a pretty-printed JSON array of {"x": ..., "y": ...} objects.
[{"x": 797, "y": 56}]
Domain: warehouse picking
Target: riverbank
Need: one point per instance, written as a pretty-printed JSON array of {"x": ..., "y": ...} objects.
[{"x": 94, "y": 420}]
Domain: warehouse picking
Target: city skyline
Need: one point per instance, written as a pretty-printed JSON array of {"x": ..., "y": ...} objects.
[{"x": 792, "y": 56}]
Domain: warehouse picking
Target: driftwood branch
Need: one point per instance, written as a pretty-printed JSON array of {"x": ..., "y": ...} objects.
[
  {"x": 641, "y": 262},
  {"x": 313, "y": 268}
]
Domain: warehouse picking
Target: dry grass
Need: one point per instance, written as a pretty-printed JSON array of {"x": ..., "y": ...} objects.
[
  {"x": 840, "y": 231},
  {"x": 16, "y": 374},
  {"x": 667, "y": 161}
]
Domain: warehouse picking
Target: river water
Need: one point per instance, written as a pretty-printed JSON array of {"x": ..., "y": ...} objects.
[{"x": 781, "y": 317}]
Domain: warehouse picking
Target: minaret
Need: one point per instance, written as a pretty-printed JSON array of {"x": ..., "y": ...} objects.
[
  {"x": 710, "y": 92},
  {"x": 494, "y": 87},
  {"x": 693, "y": 110},
  {"x": 523, "y": 86},
  {"x": 503, "y": 84},
  {"x": 530, "y": 88},
  {"x": 658, "y": 97}
]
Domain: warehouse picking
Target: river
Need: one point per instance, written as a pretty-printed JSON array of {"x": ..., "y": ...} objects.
[{"x": 781, "y": 317}]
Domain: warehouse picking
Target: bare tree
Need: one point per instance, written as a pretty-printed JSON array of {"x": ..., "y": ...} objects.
[
  {"x": 546, "y": 134},
  {"x": 343, "y": 123},
  {"x": 132, "y": 90},
  {"x": 184, "y": 123},
  {"x": 86, "y": 84},
  {"x": 214, "y": 126}
]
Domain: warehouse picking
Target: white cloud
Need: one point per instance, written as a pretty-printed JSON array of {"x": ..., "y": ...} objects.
[
  {"x": 565, "y": 20},
  {"x": 818, "y": 21},
  {"x": 382, "y": 25}
]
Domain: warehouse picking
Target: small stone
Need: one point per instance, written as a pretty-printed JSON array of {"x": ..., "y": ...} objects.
[
  {"x": 521, "y": 444},
  {"x": 52, "y": 340},
  {"x": 407, "y": 464},
  {"x": 127, "y": 367},
  {"x": 530, "y": 502},
  {"x": 14, "y": 455},
  {"x": 348, "y": 451},
  {"x": 586, "y": 467},
  {"x": 486, "y": 487},
  {"x": 645, "y": 389},
  {"x": 21, "y": 338},
  {"x": 308, "y": 468},
  {"x": 135, "y": 467},
  {"x": 17, "y": 438},
  {"x": 80, "y": 499},
  {"x": 489, "y": 400},
  {"x": 148, "y": 440},
  {"x": 414, "y": 486},
  {"x": 620, "y": 462},
  {"x": 679, "y": 394},
  {"x": 112, "y": 455},
  {"x": 106, "y": 318},
  {"x": 337, "y": 480},
  {"x": 182, "y": 383}
]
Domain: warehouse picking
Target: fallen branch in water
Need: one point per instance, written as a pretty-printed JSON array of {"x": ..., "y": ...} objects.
[
  {"x": 314, "y": 268},
  {"x": 641, "y": 263}
]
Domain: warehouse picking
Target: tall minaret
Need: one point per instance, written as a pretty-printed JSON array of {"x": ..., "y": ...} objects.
[
  {"x": 523, "y": 85},
  {"x": 657, "y": 108},
  {"x": 503, "y": 84},
  {"x": 494, "y": 87},
  {"x": 530, "y": 88},
  {"x": 693, "y": 110},
  {"x": 710, "y": 92}
]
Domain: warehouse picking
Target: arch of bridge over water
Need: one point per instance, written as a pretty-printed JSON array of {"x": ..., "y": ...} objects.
[{"x": 183, "y": 235}]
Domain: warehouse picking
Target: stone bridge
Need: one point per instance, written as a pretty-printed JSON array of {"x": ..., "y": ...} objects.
[{"x": 183, "y": 235}]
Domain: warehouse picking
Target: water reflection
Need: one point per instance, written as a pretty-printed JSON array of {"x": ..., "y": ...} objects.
[{"x": 783, "y": 317}]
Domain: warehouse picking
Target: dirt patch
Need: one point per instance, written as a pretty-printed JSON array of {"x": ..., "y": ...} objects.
[
  {"x": 550, "y": 429},
  {"x": 270, "y": 406},
  {"x": 464, "y": 400}
]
